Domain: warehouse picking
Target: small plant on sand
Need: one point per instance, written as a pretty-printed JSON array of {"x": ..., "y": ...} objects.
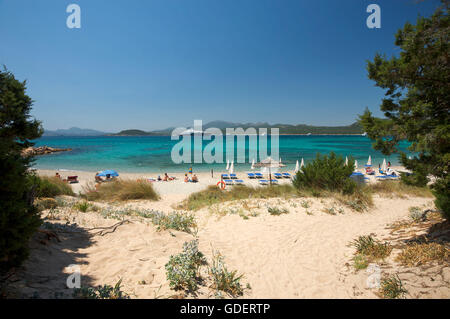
[
  {"x": 82, "y": 206},
  {"x": 330, "y": 211},
  {"x": 223, "y": 279},
  {"x": 101, "y": 292},
  {"x": 415, "y": 213},
  {"x": 182, "y": 270},
  {"x": 360, "y": 261},
  {"x": 421, "y": 253},
  {"x": 275, "y": 211},
  {"x": 305, "y": 204},
  {"x": 392, "y": 288},
  {"x": 174, "y": 220},
  {"x": 371, "y": 248}
]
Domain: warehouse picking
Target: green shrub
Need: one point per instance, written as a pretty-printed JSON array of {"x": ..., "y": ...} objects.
[
  {"x": 327, "y": 172},
  {"x": 182, "y": 270},
  {"x": 441, "y": 192},
  {"x": 19, "y": 218},
  {"x": 101, "y": 292}
]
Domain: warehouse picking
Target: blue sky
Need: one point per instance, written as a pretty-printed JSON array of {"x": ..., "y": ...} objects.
[{"x": 155, "y": 64}]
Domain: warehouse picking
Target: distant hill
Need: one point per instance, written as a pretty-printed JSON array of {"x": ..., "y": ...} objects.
[
  {"x": 354, "y": 128},
  {"x": 73, "y": 131},
  {"x": 134, "y": 133}
]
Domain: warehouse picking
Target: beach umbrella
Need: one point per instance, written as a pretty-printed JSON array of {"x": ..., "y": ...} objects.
[
  {"x": 228, "y": 165},
  {"x": 356, "y": 165},
  {"x": 253, "y": 164},
  {"x": 346, "y": 161},
  {"x": 280, "y": 160},
  {"x": 302, "y": 163},
  {"x": 109, "y": 172},
  {"x": 369, "y": 161},
  {"x": 296, "y": 167},
  {"x": 231, "y": 168},
  {"x": 383, "y": 167}
]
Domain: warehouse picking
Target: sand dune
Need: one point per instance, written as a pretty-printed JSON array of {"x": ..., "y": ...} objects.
[{"x": 294, "y": 255}]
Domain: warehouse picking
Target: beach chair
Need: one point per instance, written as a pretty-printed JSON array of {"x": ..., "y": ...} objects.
[
  {"x": 286, "y": 175},
  {"x": 228, "y": 181},
  {"x": 263, "y": 182},
  {"x": 238, "y": 182},
  {"x": 277, "y": 175},
  {"x": 274, "y": 181},
  {"x": 233, "y": 176},
  {"x": 258, "y": 175},
  {"x": 72, "y": 179},
  {"x": 225, "y": 176},
  {"x": 251, "y": 175}
]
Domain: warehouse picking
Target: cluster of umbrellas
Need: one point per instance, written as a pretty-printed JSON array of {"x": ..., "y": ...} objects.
[{"x": 274, "y": 164}]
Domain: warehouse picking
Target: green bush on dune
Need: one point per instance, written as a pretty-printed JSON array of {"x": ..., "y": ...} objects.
[{"x": 327, "y": 172}]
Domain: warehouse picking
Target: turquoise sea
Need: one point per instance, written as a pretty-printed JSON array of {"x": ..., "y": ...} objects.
[{"x": 153, "y": 153}]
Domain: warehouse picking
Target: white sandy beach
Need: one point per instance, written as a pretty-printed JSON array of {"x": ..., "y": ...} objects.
[{"x": 302, "y": 254}]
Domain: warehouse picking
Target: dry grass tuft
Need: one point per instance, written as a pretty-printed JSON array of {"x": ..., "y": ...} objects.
[
  {"x": 421, "y": 253},
  {"x": 213, "y": 195},
  {"x": 399, "y": 189},
  {"x": 121, "y": 190}
]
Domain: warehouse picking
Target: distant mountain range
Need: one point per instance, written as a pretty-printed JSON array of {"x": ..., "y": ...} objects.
[
  {"x": 354, "y": 128},
  {"x": 74, "y": 131}
]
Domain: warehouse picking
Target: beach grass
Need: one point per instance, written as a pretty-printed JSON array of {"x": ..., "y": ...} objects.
[
  {"x": 399, "y": 189},
  {"x": 51, "y": 187},
  {"x": 392, "y": 288},
  {"x": 214, "y": 195},
  {"x": 121, "y": 190},
  {"x": 369, "y": 249}
]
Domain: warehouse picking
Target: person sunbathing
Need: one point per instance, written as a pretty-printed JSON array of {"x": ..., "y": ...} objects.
[
  {"x": 370, "y": 171},
  {"x": 98, "y": 179},
  {"x": 186, "y": 178},
  {"x": 194, "y": 179}
]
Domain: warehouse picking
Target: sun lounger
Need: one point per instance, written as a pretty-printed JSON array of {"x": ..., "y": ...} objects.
[
  {"x": 274, "y": 181},
  {"x": 228, "y": 181},
  {"x": 258, "y": 175},
  {"x": 225, "y": 176},
  {"x": 286, "y": 175},
  {"x": 72, "y": 179},
  {"x": 277, "y": 175},
  {"x": 251, "y": 175},
  {"x": 263, "y": 182},
  {"x": 233, "y": 176},
  {"x": 238, "y": 182}
]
